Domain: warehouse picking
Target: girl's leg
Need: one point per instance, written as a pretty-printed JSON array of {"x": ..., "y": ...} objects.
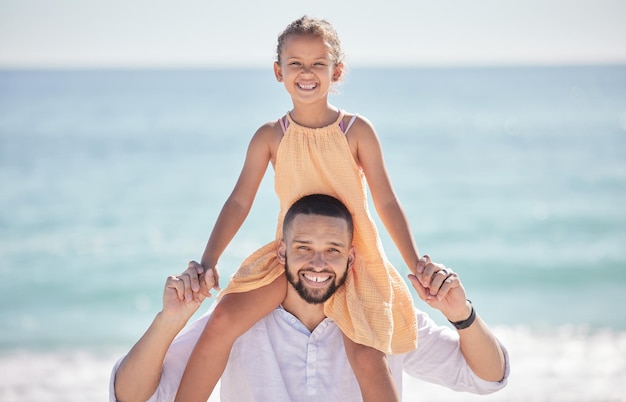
[
  {"x": 233, "y": 316},
  {"x": 372, "y": 372}
]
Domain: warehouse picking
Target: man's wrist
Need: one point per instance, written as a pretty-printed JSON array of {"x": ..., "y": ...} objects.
[
  {"x": 174, "y": 322},
  {"x": 467, "y": 321}
]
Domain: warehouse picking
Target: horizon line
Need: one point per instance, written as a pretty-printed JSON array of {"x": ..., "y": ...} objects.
[{"x": 359, "y": 66}]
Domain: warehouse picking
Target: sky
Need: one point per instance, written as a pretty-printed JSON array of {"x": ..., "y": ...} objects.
[{"x": 235, "y": 33}]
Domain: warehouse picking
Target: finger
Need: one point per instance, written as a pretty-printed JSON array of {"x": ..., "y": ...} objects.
[
  {"x": 422, "y": 292},
  {"x": 429, "y": 270},
  {"x": 186, "y": 280},
  {"x": 451, "y": 281},
  {"x": 422, "y": 262},
  {"x": 216, "y": 279},
  {"x": 174, "y": 282},
  {"x": 209, "y": 279},
  {"x": 437, "y": 279},
  {"x": 194, "y": 270},
  {"x": 203, "y": 292},
  {"x": 206, "y": 283}
]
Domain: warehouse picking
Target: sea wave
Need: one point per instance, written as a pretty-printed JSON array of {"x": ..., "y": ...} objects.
[{"x": 563, "y": 364}]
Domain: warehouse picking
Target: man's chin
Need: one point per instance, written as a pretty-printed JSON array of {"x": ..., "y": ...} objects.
[{"x": 316, "y": 296}]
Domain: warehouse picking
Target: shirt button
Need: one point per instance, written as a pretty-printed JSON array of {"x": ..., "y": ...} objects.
[{"x": 293, "y": 320}]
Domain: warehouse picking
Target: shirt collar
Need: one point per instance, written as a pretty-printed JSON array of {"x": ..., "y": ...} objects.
[{"x": 294, "y": 322}]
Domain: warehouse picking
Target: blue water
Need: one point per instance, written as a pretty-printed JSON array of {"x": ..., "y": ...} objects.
[{"x": 111, "y": 180}]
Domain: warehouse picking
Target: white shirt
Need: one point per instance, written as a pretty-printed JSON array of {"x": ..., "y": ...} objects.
[{"x": 279, "y": 359}]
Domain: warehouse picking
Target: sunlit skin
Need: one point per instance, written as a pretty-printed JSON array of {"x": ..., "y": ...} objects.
[
  {"x": 315, "y": 286},
  {"x": 307, "y": 70},
  {"x": 308, "y": 66},
  {"x": 320, "y": 253}
]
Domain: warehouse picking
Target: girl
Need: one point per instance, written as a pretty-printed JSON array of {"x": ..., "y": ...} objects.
[{"x": 314, "y": 148}]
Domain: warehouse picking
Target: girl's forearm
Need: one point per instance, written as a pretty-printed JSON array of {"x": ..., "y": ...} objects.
[
  {"x": 229, "y": 221},
  {"x": 397, "y": 226}
]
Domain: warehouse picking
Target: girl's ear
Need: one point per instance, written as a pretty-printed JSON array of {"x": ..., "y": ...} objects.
[
  {"x": 278, "y": 72},
  {"x": 337, "y": 72}
]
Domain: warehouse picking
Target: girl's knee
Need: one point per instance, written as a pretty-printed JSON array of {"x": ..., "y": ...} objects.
[
  {"x": 223, "y": 321},
  {"x": 361, "y": 356}
]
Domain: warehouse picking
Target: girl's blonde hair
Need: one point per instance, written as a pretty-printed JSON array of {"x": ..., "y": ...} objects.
[{"x": 314, "y": 27}]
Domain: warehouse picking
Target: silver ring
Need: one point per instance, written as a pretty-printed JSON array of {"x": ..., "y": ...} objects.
[{"x": 444, "y": 271}]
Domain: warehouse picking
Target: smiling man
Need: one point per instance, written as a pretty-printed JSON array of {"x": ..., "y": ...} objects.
[
  {"x": 296, "y": 353},
  {"x": 316, "y": 275}
]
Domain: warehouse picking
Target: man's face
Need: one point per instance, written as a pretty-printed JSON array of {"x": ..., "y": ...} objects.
[{"x": 317, "y": 253}]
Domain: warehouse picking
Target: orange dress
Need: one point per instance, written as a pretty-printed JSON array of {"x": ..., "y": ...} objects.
[{"x": 374, "y": 307}]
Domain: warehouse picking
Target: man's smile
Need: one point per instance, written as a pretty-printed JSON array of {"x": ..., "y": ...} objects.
[{"x": 316, "y": 278}]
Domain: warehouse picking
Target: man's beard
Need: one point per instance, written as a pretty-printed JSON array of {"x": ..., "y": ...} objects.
[{"x": 314, "y": 296}]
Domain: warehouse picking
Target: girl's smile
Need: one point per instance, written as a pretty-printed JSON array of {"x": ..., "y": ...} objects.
[{"x": 307, "y": 69}]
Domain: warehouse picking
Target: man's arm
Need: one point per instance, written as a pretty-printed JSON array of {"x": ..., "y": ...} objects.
[
  {"x": 482, "y": 351},
  {"x": 442, "y": 289},
  {"x": 138, "y": 374}
]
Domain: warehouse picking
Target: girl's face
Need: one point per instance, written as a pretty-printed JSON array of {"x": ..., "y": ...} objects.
[{"x": 307, "y": 69}]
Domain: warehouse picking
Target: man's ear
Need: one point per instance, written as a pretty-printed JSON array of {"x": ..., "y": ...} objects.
[
  {"x": 280, "y": 252},
  {"x": 351, "y": 255},
  {"x": 278, "y": 72}
]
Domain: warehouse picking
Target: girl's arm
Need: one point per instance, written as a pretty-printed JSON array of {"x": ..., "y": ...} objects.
[
  {"x": 239, "y": 203},
  {"x": 370, "y": 156}
]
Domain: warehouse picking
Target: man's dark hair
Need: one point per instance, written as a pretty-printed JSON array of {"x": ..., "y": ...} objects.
[{"x": 318, "y": 204}]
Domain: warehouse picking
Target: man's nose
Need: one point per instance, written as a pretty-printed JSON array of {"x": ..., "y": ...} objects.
[{"x": 318, "y": 260}]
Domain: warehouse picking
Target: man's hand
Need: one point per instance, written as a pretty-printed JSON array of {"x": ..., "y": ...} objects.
[
  {"x": 201, "y": 281},
  {"x": 441, "y": 288},
  {"x": 139, "y": 372},
  {"x": 184, "y": 293}
]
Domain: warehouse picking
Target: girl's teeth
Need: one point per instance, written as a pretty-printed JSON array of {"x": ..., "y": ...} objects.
[{"x": 306, "y": 86}]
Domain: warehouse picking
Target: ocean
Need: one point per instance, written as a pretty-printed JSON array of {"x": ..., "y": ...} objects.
[{"x": 515, "y": 177}]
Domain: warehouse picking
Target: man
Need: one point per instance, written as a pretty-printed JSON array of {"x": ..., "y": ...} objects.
[{"x": 296, "y": 353}]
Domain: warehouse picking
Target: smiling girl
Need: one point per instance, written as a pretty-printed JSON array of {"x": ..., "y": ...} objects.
[{"x": 314, "y": 148}]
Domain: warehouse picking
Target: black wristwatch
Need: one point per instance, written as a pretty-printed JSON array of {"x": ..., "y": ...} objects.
[{"x": 467, "y": 322}]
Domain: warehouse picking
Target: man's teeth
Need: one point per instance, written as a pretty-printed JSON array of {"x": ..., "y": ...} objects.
[{"x": 317, "y": 278}]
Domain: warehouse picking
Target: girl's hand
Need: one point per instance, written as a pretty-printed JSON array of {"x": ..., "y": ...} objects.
[
  {"x": 200, "y": 282},
  {"x": 212, "y": 279},
  {"x": 441, "y": 288},
  {"x": 179, "y": 302}
]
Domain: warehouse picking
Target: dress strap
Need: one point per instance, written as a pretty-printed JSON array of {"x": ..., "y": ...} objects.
[
  {"x": 350, "y": 123},
  {"x": 284, "y": 122}
]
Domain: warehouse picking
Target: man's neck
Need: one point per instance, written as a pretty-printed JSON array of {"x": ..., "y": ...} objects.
[{"x": 311, "y": 315}]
